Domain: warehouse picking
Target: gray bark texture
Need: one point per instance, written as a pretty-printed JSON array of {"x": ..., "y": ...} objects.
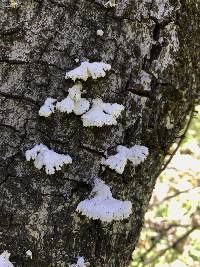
[{"x": 153, "y": 48}]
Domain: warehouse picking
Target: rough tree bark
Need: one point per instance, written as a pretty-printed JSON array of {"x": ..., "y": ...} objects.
[{"x": 156, "y": 41}]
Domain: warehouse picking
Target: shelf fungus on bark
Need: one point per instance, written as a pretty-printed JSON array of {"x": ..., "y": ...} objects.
[
  {"x": 29, "y": 254},
  {"x": 48, "y": 108},
  {"x": 100, "y": 32},
  {"x": 74, "y": 102},
  {"x": 4, "y": 259},
  {"x": 135, "y": 154},
  {"x": 86, "y": 70},
  {"x": 80, "y": 262},
  {"x": 103, "y": 206},
  {"x": 102, "y": 114},
  {"x": 110, "y": 3},
  {"x": 43, "y": 156}
]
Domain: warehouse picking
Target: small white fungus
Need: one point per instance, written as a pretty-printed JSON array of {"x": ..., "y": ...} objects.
[
  {"x": 48, "y": 108},
  {"x": 103, "y": 206},
  {"x": 102, "y": 114},
  {"x": 135, "y": 154},
  {"x": 86, "y": 70},
  {"x": 43, "y": 156},
  {"x": 4, "y": 259},
  {"x": 74, "y": 102},
  {"x": 80, "y": 263},
  {"x": 29, "y": 253},
  {"x": 110, "y": 3},
  {"x": 100, "y": 32}
]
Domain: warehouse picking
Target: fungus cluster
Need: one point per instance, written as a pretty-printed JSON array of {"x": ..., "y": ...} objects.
[
  {"x": 101, "y": 204},
  {"x": 100, "y": 113},
  {"x": 72, "y": 103}
]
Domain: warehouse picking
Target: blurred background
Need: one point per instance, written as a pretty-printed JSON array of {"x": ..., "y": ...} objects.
[{"x": 171, "y": 233}]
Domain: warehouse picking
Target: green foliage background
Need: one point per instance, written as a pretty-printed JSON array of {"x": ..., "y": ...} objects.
[{"x": 171, "y": 233}]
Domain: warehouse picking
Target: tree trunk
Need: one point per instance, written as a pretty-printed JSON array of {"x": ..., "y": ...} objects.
[{"x": 153, "y": 48}]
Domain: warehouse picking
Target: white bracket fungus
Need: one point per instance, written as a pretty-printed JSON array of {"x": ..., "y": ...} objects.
[
  {"x": 86, "y": 70},
  {"x": 135, "y": 154},
  {"x": 74, "y": 102},
  {"x": 100, "y": 32},
  {"x": 102, "y": 114},
  {"x": 48, "y": 108},
  {"x": 80, "y": 263},
  {"x": 99, "y": 115},
  {"x": 110, "y": 3},
  {"x": 4, "y": 259},
  {"x": 103, "y": 206},
  {"x": 43, "y": 156},
  {"x": 29, "y": 254}
]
